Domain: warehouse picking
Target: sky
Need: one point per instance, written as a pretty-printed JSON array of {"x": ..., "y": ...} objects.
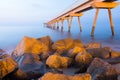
[{"x": 32, "y": 12}]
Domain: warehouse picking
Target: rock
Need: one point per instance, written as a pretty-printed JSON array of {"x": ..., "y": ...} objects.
[
  {"x": 92, "y": 45},
  {"x": 108, "y": 48},
  {"x": 101, "y": 70},
  {"x": 118, "y": 78},
  {"x": 115, "y": 54},
  {"x": 47, "y": 41},
  {"x": 117, "y": 66},
  {"x": 63, "y": 44},
  {"x": 56, "y": 61},
  {"x": 84, "y": 76},
  {"x": 7, "y": 65},
  {"x": 52, "y": 76},
  {"x": 99, "y": 52},
  {"x": 83, "y": 58},
  {"x": 30, "y": 45},
  {"x": 78, "y": 43},
  {"x": 113, "y": 60},
  {"x": 30, "y": 67},
  {"x": 1, "y": 51},
  {"x": 73, "y": 52}
]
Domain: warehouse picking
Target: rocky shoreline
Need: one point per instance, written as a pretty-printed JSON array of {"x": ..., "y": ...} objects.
[{"x": 65, "y": 59}]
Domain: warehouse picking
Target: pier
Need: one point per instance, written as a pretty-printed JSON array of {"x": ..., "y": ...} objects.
[{"x": 78, "y": 9}]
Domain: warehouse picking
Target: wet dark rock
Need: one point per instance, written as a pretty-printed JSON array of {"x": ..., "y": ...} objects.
[
  {"x": 30, "y": 67},
  {"x": 99, "y": 52},
  {"x": 7, "y": 65},
  {"x": 117, "y": 66},
  {"x": 112, "y": 60},
  {"x": 101, "y": 70}
]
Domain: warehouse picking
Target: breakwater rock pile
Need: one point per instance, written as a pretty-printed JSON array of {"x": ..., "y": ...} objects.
[{"x": 65, "y": 59}]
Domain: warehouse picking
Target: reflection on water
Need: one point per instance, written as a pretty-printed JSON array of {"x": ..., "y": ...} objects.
[{"x": 10, "y": 36}]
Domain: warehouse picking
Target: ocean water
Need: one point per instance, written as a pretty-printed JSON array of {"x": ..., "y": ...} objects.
[{"x": 10, "y": 36}]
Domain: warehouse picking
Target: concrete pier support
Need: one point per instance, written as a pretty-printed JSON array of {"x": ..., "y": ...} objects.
[
  {"x": 111, "y": 21},
  {"x": 79, "y": 23},
  {"x": 69, "y": 23},
  {"x": 62, "y": 22},
  {"x": 57, "y": 25},
  {"x": 94, "y": 23}
]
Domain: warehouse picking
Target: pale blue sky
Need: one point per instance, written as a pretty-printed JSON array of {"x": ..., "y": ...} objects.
[{"x": 32, "y": 12}]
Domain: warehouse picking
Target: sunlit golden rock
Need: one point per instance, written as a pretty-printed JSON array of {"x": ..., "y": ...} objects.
[
  {"x": 78, "y": 43},
  {"x": 73, "y": 52},
  {"x": 53, "y": 76},
  {"x": 81, "y": 77},
  {"x": 64, "y": 44},
  {"x": 99, "y": 52},
  {"x": 115, "y": 54},
  {"x": 101, "y": 70},
  {"x": 7, "y": 65},
  {"x": 92, "y": 45},
  {"x": 56, "y": 61},
  {"x": 83, "y": 58},
  {"x": 47, "y": 41},
  {"x": 30, "y": 45},
  {"x": 30, "y": 67}
]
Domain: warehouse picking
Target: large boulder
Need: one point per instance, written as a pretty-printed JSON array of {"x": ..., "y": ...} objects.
[
  {"x": 30, "y": 45},
  {"x": 56, "y": 61},
  {"x": 83, "y": 58},
  {"x": 53, "y": 76},
  {"x": 30, "y": 67},
  {"x": 63, "y": 44},
  {"x": 101, "y": 70},
  {"x": 92, "y": 45},
  {"x": 7, "y": 65},
  {"x": 73, "y": 52},
  {"x": 99, "y": 52},
  {"x": 47, "y": 41}
]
